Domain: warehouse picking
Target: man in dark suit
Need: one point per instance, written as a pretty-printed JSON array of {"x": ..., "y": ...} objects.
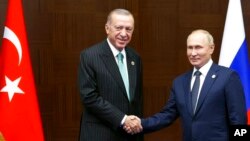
[
  {"x": 108, "y": 95},
  {"x": 219, "y": 102}
]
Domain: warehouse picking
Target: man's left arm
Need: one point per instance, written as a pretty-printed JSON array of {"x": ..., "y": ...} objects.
[{"x": 236, "y": 103}]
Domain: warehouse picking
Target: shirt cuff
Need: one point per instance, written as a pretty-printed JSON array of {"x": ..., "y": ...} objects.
[{"x": 123, "y": 120}]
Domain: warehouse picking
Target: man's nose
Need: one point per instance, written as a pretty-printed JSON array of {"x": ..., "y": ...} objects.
[
  {"x": 123, "y": 32},
  {"x": 194, "y": 52}
]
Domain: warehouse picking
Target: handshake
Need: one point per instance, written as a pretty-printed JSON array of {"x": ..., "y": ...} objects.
[{"x": 132, "y": 125}]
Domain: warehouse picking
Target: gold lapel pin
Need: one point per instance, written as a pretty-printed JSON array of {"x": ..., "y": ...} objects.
[{"x": 132, "y": 63}]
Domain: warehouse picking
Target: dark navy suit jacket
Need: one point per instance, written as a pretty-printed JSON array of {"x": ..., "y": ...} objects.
[{"x": 221, "y": 104}]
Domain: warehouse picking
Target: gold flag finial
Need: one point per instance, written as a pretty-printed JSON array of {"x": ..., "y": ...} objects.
[{"x": 1, "y": 137}]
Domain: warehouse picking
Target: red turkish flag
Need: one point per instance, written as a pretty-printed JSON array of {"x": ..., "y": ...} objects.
[{"x": 19, "y": 111}]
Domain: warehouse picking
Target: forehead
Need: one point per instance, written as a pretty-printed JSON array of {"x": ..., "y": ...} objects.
[
  {"x": 197, "y": 38},
  {"x": 122, "y": 19}
]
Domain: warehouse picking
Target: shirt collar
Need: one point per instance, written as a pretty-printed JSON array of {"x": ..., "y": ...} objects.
[
  {"x": 114, "y": 50},
  {"x": 204, "y": 69}
]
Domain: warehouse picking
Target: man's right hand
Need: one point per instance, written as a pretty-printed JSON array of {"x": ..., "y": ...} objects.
[{"x": 132, "y": 125}]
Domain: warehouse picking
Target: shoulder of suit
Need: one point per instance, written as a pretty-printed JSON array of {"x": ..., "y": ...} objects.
[
  {"x": 132, "y": 51},
  {"x": 224, "y": 69},
  {"x": 184, "y": 74},
  {"x": 94, "y": 48}
]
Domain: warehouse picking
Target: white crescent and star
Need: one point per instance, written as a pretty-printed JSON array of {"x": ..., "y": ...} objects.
[
  {"x": 11, "y": 87},
  {"x": 12, "y": 37}
]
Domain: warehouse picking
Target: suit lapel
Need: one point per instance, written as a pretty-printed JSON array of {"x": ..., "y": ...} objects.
[
  {"x": 208, "y": 83},
  {"x": 187, "y": 92},
  {"x": 111, "y": 66},
  {"x": 131, "y": 64}
]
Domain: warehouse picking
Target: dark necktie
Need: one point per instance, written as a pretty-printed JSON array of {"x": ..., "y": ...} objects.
[
  {"x": 123, "y": 72},
  {"x": 195, "y": 89}
]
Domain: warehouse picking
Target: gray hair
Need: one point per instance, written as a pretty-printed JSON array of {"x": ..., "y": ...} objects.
[
  {"x": 118, "y": 11},
  {"x": 210, "y": 38}
]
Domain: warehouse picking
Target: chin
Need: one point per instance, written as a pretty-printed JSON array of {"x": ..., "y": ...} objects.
[
  {"x": 120, "y": 46},
  {"x": 196, "y": 65}
]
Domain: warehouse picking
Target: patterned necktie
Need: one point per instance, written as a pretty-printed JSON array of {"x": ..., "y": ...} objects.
[
  {"x": 123, "y": 72},
  {"x": 195, "y": 90}
]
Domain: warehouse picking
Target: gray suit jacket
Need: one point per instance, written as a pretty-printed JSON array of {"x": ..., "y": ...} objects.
[{"x": 103, "y": 94}]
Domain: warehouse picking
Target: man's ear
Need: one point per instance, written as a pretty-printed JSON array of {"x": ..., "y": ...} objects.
[
  {"x": 107, "y": 28},
  {"x": 212, "y": 48}
]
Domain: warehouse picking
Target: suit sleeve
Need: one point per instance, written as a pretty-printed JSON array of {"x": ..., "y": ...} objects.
[
  {"x": 236, "y": 100},
  {"x": 93, "y": 102},
  {"x": 164, "y": 118},
  {"x": 139, "y": 100}
]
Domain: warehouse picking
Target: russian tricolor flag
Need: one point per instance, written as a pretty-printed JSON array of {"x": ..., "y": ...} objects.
[{"x": 234, "y": 52}]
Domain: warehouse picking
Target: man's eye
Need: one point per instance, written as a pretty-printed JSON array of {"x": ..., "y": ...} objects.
[
  {"x": 198, "y": 47},
  {"x": 129, "y": 29},
  {"x": 118, "y": 27}
]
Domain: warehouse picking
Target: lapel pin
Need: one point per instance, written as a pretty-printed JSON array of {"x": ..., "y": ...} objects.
[
  {"x": 213, "y": 76},
  {"x": 132, "y": 63}
]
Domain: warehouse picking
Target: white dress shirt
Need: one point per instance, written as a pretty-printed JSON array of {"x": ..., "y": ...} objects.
[
  {"x": 204, "y": 70},
  {"x": 115, "y": 53}
]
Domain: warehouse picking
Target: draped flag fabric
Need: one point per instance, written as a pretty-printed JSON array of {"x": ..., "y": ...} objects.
[
  {"x": 19, "y": 111},
  {"x": 234, "y": 52}
]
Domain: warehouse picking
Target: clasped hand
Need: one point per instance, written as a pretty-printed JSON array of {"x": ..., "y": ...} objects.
[{"x": 132, "y": 125}]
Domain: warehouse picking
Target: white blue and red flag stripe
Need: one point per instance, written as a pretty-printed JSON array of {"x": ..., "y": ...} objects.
[{"x": 234, "y": 51}]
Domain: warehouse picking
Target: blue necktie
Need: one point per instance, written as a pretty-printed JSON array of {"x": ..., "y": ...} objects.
[
  {"x": 123, "y": 72},
  {"x": 195, "y": 89}
]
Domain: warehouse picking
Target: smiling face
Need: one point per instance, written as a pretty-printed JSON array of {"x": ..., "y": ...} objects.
[
  {"x": 200, "y": 48},
  {"x": 119, "y": 29}
]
